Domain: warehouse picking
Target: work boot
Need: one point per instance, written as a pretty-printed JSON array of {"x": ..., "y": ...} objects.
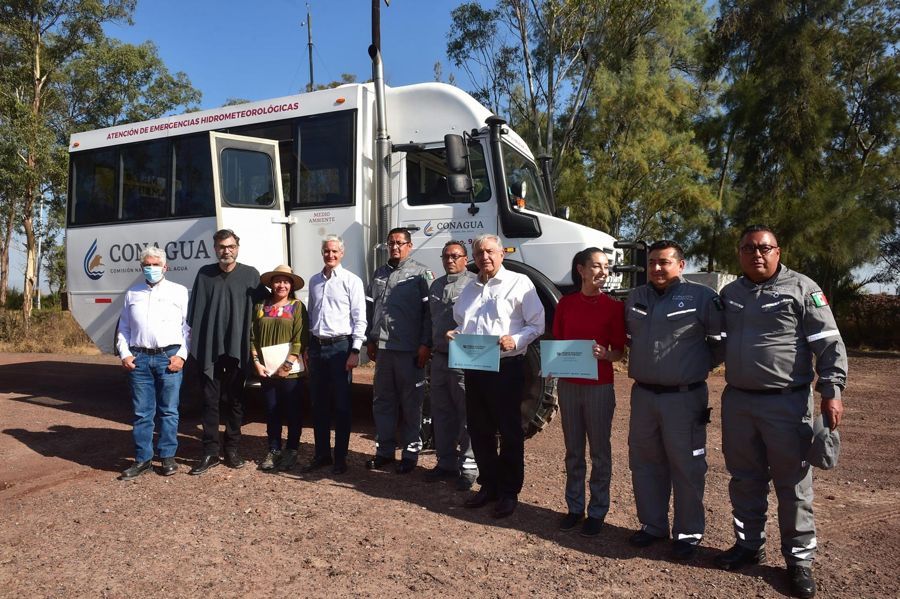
[{"x": 270, "y": 462}]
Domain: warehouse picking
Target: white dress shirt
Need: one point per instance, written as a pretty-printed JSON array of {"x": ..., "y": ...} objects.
[
  {"x": 337, "y": 305},
  {"x": 154, "y": 317},
  {"x": 508, "y": 304}
]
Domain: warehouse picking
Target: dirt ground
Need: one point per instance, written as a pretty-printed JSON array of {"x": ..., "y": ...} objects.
[{"x": 69, "y": 528}]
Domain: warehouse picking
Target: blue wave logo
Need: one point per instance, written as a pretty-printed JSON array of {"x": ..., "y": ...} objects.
[
  {"x": 92, "y": 262},
  {"x": 428, "y": 229}
]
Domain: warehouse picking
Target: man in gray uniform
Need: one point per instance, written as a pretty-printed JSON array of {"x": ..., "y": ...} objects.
[
  {"x": 776, "y": 320},
  {"x": 399, "y": 340},
  {"x": 674, "y": 327},
  {"x": 448, "y": 389}
]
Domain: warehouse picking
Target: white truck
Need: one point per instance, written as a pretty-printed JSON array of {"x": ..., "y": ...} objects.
[{"x": 283, "y": 173}]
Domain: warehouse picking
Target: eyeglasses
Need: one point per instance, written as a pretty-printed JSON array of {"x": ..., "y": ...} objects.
[
  {"x": 229, "y": 248},
  {"x": 764, "y": 250},
  {"x": 397, "y": 244},
  {"x": 452, "y": 256}
]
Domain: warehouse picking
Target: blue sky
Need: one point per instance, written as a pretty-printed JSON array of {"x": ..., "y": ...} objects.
[{"x": 258, "y": 50}]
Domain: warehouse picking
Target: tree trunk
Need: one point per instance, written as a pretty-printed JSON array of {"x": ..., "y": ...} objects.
[
  {"x": 32, "y": 183},
  {"x": 4, "y": 256}
]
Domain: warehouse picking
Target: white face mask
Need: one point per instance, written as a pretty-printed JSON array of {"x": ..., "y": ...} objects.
[{"x": 153, "y": 274}]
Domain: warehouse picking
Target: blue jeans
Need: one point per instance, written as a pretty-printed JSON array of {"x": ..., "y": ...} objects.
[
  {"x": 283, "y": 402},
  {"x": 154, "y": 393},
  {"x": 330, "y": 390}
]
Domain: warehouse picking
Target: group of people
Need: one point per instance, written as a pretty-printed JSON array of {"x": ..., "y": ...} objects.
[{"x": 767, "y": 327}]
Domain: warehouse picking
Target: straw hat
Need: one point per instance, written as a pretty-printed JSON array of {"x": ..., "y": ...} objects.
[{"x": 282, "y": 270}]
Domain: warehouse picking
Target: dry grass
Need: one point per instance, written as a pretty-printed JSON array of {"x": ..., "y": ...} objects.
[{"x": 50, "y": 331}]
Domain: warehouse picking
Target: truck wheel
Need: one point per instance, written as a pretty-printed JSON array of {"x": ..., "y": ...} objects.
[{"x": 540, "y": 403}]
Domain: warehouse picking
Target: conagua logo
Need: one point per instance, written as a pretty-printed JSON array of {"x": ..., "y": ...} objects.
[
  {"x": 466, "y": 225},
  {"x": 92, "y": 261}
]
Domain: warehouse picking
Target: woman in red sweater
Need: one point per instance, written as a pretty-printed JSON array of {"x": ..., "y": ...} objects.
[{"x": 587, "y": 405}]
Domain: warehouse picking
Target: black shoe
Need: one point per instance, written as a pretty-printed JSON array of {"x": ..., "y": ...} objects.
[
  {"x": 481, "y": 498},
  {"x": 437, "y": 473},
  {"x": 378, "y": 461},
  {"x": 234, "y": 460},
  {"x": 206, "y": 462},
  {"x": 683, "y": 551},
  {"x": 339, "y": 468},
  {"x": 643, "y": 539},
  {"x": 317, "y": 462},
  {"x": 591, "y": 527},
  {"x": 802, "y": 582},
  {"x": 405, "y": 467},
  {"x": 504, "y": 507},
  {"x": 738, "y": 557},
  {"x": 464, "y": 483},
  {"x": 168, "y": 467},
  {"x": 570, "y": 521},
  {"x": 137, "y": 469}
]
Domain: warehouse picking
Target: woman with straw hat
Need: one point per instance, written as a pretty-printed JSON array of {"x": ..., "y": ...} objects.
[{"x": 278, "y": 338}]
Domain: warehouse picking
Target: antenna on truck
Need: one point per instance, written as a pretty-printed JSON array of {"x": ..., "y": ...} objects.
[{"x": 309, "y": 45}]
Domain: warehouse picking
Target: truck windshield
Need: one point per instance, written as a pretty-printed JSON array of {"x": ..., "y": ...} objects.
[{"x": 523, "y": 181}]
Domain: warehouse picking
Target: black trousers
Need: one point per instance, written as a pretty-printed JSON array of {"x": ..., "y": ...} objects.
[
  {"x": 225, "y": 388},
  {"x": 493, "y": 405}
]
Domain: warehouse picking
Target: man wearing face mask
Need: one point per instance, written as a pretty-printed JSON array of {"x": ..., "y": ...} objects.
[{"x": 152, "y": 341}]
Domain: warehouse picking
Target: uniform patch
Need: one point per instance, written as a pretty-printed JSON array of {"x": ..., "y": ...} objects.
[
  {"x": 818, "y": 299},
  {"x": 429, "y": 276}
]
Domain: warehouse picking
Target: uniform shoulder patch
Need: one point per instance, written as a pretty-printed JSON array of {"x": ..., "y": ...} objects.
[
  {"x": 818, "y": 299},
  {"x": 429, "y": 276},
  {"x": 717, "y": 302}
]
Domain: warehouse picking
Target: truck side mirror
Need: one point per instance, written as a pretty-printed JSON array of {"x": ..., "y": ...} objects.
[
  {"x": 457, "y": 153},
  {"x": 459, "y": 182},
  {"x": 459, "y": 185}
]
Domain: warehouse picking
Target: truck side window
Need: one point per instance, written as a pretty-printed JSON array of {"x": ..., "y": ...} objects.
[{"x": 426, "y": 178}]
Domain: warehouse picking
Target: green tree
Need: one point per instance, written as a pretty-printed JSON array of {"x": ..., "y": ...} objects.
[
  {"x": 810, "y": 109},
  {"x": 39, "y": 37},
  {"x": 60, "y": 74}
]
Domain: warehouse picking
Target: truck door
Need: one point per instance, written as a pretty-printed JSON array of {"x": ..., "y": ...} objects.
[
  {"x": 433, "y": 216},
  {"x": 249, "y": 198}
]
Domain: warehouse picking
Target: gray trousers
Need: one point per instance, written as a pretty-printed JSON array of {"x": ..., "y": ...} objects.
[
  {"x": 399, "y": 390},
  {"x": 587, "y": 412},
  {"x": 448, "y": 416},
  {"x": 766, "y": 437},
  {"x": 667, "y": 455}
]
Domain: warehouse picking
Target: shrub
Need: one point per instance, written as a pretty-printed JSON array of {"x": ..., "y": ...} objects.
[{"x": 872, "y": 321}]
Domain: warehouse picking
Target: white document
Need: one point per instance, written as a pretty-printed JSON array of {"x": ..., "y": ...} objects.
[{"x": 273, "y": 357}]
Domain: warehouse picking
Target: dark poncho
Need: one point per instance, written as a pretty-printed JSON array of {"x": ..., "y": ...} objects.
[{"x": 219, "y": 314}]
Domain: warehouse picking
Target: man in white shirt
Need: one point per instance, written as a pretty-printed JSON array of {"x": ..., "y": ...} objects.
[
  {"x": 152, "y": 341},
  {"x": 506, "y": 304},
  {"x": 337, "y": 320}
]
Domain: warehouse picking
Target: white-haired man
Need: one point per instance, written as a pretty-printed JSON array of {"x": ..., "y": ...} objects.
[
  {"x": 153, "y": 344},
  {"x": 506, "y": 304},
  {"x": 337, "y": 320}
]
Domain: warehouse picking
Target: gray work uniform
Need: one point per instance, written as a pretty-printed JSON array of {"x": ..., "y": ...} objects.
[
  {"x": 399, "y": 323},
  {"x": 673, "y": 338},
  {"x": 773, "y": 329},
  {"x": 448, "y": 389}
]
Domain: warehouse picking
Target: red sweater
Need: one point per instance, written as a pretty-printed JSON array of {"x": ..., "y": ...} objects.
[{"x": 600, "y": 318}]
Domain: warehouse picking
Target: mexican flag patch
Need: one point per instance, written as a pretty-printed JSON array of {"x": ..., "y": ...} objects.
[{"x": 818, "y": 299}]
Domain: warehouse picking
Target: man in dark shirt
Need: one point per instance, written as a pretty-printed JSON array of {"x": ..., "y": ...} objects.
[{"x": 219, "y": 314}]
